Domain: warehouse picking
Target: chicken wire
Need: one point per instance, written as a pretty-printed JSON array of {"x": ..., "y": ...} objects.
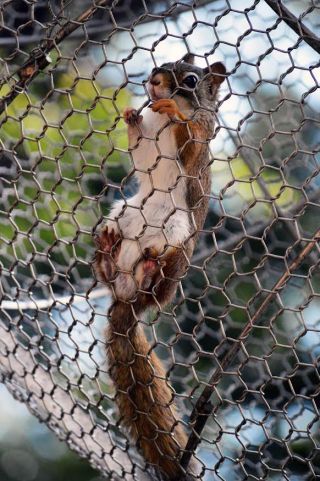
[{"x": 64, "y": 160}]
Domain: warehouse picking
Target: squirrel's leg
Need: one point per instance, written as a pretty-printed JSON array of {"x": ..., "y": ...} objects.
[
  {"x": 134, "y": 120},
  {"x": 108, "y": 248}
]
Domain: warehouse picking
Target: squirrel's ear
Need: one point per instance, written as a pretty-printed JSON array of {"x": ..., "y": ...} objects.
[
  {"x": 188, "y": 58},
  {"x": 218, "y": 70}
]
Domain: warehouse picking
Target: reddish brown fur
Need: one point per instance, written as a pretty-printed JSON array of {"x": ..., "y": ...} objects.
[
  {"x": 192, "y": 142},
  {"x": 144, "y": 396}
]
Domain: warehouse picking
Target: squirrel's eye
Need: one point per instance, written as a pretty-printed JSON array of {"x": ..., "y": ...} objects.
[{"x": 190, "y": 81}]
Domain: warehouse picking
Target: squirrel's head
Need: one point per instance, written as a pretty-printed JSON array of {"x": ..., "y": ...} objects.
[{"x": 182, "y": 78}]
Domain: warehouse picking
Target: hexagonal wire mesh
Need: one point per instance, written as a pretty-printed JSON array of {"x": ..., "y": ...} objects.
[{"x": 243, "y": 330}]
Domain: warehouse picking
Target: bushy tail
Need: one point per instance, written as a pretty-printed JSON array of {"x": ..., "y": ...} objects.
[{"x": 144, "y": 397}]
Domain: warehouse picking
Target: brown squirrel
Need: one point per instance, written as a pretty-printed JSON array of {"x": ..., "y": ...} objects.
[{"x": 144, "y": 248}]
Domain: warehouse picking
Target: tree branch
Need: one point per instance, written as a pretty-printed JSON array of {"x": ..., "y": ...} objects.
[
  {"x": 201, "y": 413},
  {"x": 295, "y": 24},
  {"x": 38, "y": 59}
]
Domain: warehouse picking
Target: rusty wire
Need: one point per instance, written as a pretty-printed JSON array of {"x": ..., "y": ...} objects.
[{"x": 241, "y": 342}]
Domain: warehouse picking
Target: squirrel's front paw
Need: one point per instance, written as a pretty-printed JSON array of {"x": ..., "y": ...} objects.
[
  {"x": 131, "y": 116},
  {"x": 169, "y": 107},
  {"x": 108, "y": 248}
]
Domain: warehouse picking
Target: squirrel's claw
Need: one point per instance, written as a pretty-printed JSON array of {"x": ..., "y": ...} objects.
[
  {"x": 108, "y": 240},
  {"x": 131, "y": 116},
  {"x": 108, "y": 243}
]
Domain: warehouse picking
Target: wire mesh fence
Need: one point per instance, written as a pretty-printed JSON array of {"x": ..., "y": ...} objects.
[{"x": 240, "y": 341}]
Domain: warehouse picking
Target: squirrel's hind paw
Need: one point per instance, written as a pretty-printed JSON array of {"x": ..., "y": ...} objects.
[
  {"x": 109, "y": 244},
  {"x": 148, "y": 271}
]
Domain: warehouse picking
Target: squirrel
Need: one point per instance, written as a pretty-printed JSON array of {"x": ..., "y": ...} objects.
[{"x": 145, "y": 246}]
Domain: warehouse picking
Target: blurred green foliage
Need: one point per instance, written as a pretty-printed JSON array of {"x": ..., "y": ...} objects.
[
  {"x": 64, "y": 138},
  {"x": 56, "y": 145}
]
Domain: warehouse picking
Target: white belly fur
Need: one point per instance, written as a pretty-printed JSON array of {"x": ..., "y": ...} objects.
[{"x": 157, "y": 215}]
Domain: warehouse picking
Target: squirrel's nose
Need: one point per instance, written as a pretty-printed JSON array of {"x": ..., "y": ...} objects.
[{"x": 155, "y": 81}]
